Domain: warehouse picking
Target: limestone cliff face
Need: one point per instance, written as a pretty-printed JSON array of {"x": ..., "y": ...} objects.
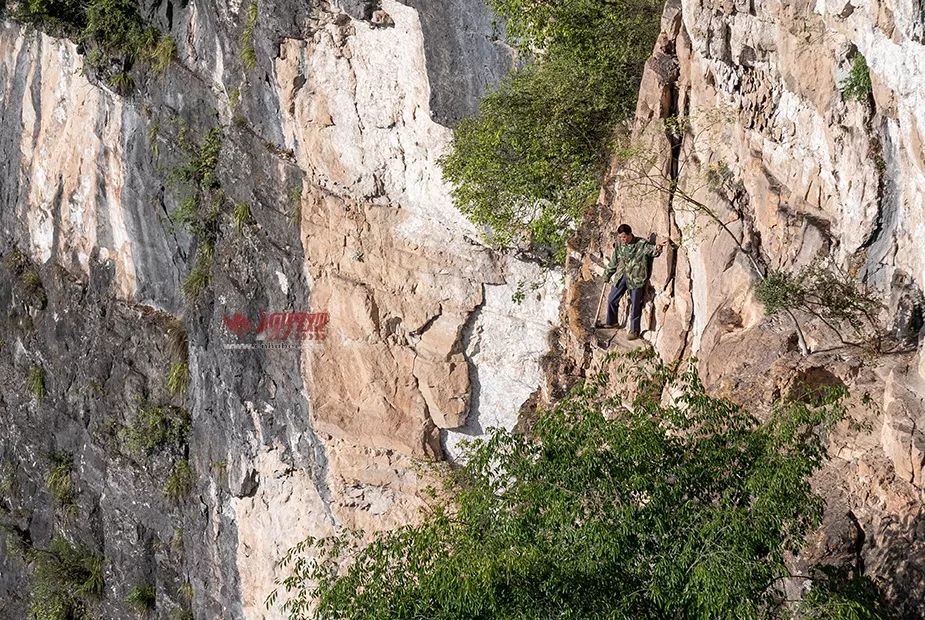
[
  {"x": 804, "y": 173},
  {"x": 332, "y": 141}
]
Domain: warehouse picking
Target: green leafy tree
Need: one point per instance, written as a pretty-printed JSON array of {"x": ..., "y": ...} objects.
[
  {"x": 607, "y": 509},
  {"x": 833, "y": 296},
  {"x": 530, "y": 162}
]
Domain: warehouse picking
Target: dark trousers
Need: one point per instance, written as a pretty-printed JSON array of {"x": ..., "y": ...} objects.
[{"x": 636, "y": 295}]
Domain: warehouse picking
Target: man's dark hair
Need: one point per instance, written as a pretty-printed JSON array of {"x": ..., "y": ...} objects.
[{"x": 624, "y": 228}]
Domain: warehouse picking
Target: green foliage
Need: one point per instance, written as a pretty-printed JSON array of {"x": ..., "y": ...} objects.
[
  {"x": 66, "y": 579},
  {"x": 241, "y": 217},
  {"x": 179, "y": 483},
  {"x": 25, "y": 273},
  {"x": 31, "y": 280},
  {"x": 520, "y": 294},
  {"x": 199, "y": 213},
  {"x": 839, "y": 593},
  {"x": 178, "y": 378},
  {"x": 122, "y": 82},
  {"x": 248, "y": 53},
  {"x": 530, "y": 162},
  {"x": 162, "y": 53},
  {"x": 111, "y": 31},
  {"x": 186, "y": 215},
  {"x": 826, "y": 292},
  {"x": 116, "y": 28},
  {"x": 776, "y": 291},
  {"x": 608, "y": 510},
  {"x": 295, "y": 205},
  {"x": 35, "y": 382},
  {"x": 59, "y": 17},
  {"x": 199, "y": 277},
  {"x": 200, "y": 170},
  {"x": 142, "y": 597},
  {"x": 234, "y": 99},
  {"x": 185, "y": 591},
  {"x": 857, "y": 86},
  {"x": 61, "y": 483},
  {"x": 157, "y": 428}
]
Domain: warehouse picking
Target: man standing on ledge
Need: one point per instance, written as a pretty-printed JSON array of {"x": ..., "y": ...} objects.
[{"x": 629, "y": 265}]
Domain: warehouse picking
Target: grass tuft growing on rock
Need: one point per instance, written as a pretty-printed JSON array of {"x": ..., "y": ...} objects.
[
  {"x": 67, "y": 580},
  {"x": 142, "y": 597},
  {"x": 198, "y": 279},
  {"x": 178, "y": 378},
  {"x": 35, "y": 382},
  {"x": 248, "y": 52},
  {"x": 180, "y": 482},
  {"x": 162, "y": 54},
  {"x": 60, "y": 483},
  {"x": 241, "y": 217},
  {"x": 27, "y": 276},
  {"x": 199, "y": 212}
]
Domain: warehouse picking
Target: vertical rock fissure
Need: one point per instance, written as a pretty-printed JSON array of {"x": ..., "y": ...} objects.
[{"x": 676, "y": 143}]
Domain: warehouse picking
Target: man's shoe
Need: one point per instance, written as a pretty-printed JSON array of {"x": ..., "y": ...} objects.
[
  {"x": 633, "y": 336},
  {"x": 600, "y": 325}
]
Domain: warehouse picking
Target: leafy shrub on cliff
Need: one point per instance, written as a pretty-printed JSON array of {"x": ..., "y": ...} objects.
[
  {"x": 58, "y": 17},
  {"x": 66, "y": 580},
  {"x": 112, "y": 33},
  {"x": 199, "y": 212},
  {"x": 779, "y": 290},
  {"x": 830, "y": 294},
  {"x": 607, "y": 510},
  {"x": 156, "y": 428},
  {"x": 857, "y": 86},
  {"x": 530, "y": 162}
]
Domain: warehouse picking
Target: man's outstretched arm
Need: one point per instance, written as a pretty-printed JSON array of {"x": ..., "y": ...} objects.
[{"x": 654, "y": 249}]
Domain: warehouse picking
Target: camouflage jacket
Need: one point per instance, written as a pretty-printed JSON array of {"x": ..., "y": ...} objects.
[{"x": 631, "y": 260}]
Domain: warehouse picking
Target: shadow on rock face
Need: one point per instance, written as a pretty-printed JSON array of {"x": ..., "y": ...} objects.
[
  {"x": 899, "y": 551},
  {"x": 810, "y": 386}
]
